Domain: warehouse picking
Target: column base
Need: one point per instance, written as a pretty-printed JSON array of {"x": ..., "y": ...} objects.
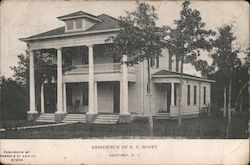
[
  {"x": 32, "y": 116},
  {"x": 125, "y": 118},
  {"x": 59, "y": 117},
  {"x": 90, "y": 118}
]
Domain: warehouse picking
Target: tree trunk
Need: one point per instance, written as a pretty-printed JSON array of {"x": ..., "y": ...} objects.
[
  {"x": 240, "y": 97},
  {"x": 225, "y": 102},
  {"x": 229, "y": 107},
  {"x": 180, "y": 94},
  {"x": 150, "y": 117}
]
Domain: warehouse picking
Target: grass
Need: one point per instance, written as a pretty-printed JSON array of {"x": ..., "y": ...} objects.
[
  {"x": 17, "y": 123},
  {"x": 202, "y": 127}
]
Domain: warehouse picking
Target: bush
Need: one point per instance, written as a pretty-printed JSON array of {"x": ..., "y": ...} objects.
[{"x": 14, "y": 100}]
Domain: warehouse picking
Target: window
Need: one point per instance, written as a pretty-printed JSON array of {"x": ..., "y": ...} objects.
[
  {"x": 78, "y": 23},
  {"x": 70, "y": 24},
  {"x": 69, "y": 96},
  {"x": 85, "y": 100},
  {"x": 175, "y": 94},
  {"x": 85, "y": 55},
  {"x": 177, "y": 65},
  {"x": 188, "y": 95},
  {"x": 154, "y": 62},
  {"x": 204, "y": 95},
  {"x": 194, "y": 95}
]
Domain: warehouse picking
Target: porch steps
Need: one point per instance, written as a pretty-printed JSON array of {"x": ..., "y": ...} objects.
[
  {"x": 106, "y": 119},
  {"x": 46, "y": 118},
  {"x": 162, "y": 116},
  {"x": 75, "y": 118}
]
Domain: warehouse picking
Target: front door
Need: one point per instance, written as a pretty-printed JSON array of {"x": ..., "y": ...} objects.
[
  {"x": 116, "y": 95},
  {"x": 168, "y": 97},
  {"x": 50, "y": 98}
]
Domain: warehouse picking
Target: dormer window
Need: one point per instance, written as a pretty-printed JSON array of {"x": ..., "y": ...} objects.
[
  {"x": 78, "y": 23},
  {"x": 70, "y": 24}
]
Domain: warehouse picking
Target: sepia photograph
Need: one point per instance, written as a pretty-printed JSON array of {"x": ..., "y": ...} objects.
[{"x": 124, "y": 79}]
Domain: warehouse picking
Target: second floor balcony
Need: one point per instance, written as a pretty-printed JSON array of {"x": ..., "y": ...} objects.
[
  {"x": 98, "y": 69},
  {"x": 102, "y": 72}
]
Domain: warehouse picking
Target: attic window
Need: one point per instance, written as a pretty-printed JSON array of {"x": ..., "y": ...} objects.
[
  {"x": 78, "y": 23},
  {"x": 70, "y": 24}
]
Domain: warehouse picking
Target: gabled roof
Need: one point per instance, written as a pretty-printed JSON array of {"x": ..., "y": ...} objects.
[
  {"x": 108, "y": 24},
  {"x": 167, "y": 73}
]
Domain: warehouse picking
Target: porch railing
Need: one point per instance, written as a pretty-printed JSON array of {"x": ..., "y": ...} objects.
[{"x": 98, "y": 68}]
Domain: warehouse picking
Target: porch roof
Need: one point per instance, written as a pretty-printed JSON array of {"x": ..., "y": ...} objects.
[
  {"x": 108, "y": 24},
  {"x": 172, "y": 74}
]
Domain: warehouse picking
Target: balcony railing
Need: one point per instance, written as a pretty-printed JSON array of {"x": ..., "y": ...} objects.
[{"x": 98, "y": 68}]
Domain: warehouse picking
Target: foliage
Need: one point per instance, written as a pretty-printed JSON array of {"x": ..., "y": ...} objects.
[
  {"x": 44, "y": 67},
  {"x": 14, "y": 100},
  {"x": 225, "y": 58},
  {"x": 140, "y": 40},
  {"x": 227, "y": 61},
  {"x": 139, "y": 37},
  {"x": 190, "y": 37}
]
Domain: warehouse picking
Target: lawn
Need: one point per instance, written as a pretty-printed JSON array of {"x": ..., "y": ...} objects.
[
  {"x": 202, "y": 127},
  {"x": 17, "y": 123}
]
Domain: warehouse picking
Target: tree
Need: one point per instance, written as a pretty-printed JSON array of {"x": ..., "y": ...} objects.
[
  {"x": 140, "y": 40},
  {"x": 44, "y": 69},
  {"x": 226, "y": 59},
  {"x": 11, "y": 91},
  {"x": 189, "y": 38}
]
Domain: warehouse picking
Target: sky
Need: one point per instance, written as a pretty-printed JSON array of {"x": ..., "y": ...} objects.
[{"x": 24, "y": 18}]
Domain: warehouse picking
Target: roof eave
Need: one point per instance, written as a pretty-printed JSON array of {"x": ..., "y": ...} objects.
[
  {"x": 186, "y": 77},
  {"x": 80, "y": 16},
  {"x": 70, "y": 34}
]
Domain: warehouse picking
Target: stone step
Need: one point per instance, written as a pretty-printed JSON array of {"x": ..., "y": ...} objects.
[
  {"x": 106, "y": 118},
  {"x": 107, "y": 115},
  {"x": 47, "y": 114},
  {"x": 45, "y": 121},
  {"x": 104, "y": 122},
  {"x": 101, "y": 117},
  {"x": 74, "y": 120},
  {"x": 74, "y": 117},
  {"x": 163, "y": 114},
  {"x": 46, "y": 117},
  {"x": 162, "y": 117}
]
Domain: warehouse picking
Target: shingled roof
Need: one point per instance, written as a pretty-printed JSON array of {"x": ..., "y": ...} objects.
[
  {"x": 76, "y": 14},
  {"x": 108, "y": 24},
  {"x": 166, "y": 73}
]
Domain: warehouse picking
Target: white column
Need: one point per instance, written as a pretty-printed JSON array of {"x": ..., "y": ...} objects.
[
  {"x": 42, "y": 98},
  {"x": 64, "y": 98},
  {"x": 121, "y": 96},
  {"x": 91, "y": 81},
  {"x": 96, "y": 106},
  {"x": 59, "y": 81},
  {"x": 32, "y": 84},
  {"x": 124, "y": 85},
  {"x": 172, "y": 94}
]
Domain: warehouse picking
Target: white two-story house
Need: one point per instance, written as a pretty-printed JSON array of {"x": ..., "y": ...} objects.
[{"x": 96, "y": 88}]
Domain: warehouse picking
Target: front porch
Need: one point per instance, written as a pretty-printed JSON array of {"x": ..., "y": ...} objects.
[{"x": 102, "y": 86}]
